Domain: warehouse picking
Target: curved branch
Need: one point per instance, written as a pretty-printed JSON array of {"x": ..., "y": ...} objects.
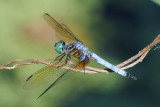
[{"x": 49, "y": 62}]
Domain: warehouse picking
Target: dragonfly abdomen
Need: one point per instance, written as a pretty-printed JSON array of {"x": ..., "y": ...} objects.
[{"x": 110, "y": 66}]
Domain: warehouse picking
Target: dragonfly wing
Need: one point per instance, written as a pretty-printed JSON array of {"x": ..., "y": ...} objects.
[
  {"x": 60, "y": 28},
  {"x": 42, "y": 76},
  {"x": 48, "y": 75},
  {"x": 66, "y": 27},
  {"x": 65, "y": 74},
  {"x": 61, "y": 78}
]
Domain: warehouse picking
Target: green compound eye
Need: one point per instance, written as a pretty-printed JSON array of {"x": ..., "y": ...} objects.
[{"x": 59, "y": 47}]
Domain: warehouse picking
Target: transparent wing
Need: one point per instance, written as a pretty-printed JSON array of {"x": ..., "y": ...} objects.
[
  {"x": 49, "y": 74},
  {"x": 64, "y": 75},
  {"x": 41, "y": 77},
  {"x": 60, "y": 28},
  {"x": 66, "y": 27}
]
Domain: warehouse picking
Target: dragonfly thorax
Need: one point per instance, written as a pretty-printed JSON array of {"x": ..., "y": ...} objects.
[{"x": 82, "y": 49}]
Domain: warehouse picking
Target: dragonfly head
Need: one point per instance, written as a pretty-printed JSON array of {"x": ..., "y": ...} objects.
[{"x": 59, "y": 47}]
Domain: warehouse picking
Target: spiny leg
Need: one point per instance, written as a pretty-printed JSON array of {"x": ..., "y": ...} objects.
[
  {"x": 61, "y": 57},
  {"x": 85, "y": 62},
  {"x": 84, "y": 67},
  {"x": 68, "y": 57}
]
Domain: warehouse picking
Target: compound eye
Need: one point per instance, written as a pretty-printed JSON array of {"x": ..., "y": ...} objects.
[{"x": 63, "y": 43}]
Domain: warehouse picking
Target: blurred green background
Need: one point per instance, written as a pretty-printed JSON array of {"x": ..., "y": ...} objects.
[{"x": 114, "y": 29}]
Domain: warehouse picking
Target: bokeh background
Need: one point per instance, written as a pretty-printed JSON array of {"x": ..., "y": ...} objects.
[{"x": 114, "y": 29}]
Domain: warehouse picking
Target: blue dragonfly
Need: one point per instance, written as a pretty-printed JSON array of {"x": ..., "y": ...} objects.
[{"x": 75, "y": 51}]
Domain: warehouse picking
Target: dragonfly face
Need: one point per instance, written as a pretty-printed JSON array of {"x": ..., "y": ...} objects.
[{"x": 59, "y": 47}]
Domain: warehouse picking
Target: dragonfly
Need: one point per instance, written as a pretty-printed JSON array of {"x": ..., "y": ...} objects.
[{"x": 75, "y": 50}]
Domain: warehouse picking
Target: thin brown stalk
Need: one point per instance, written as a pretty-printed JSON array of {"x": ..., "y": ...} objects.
[{"x": 49, "y": 62}]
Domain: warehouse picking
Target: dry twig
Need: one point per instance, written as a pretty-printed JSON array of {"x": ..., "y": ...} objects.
[{"x": 124, "y": 65}]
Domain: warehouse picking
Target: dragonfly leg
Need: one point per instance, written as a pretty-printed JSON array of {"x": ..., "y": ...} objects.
[
  {"x": 61, "y": 57},
  {"x": 85, "y": 62},
  {"x": 68, "y": 57},
  {"x": 84, "y": 67}
]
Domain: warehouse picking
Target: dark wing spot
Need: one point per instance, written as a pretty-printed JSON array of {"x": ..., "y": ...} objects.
[{"x": 29, "y": 78}]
